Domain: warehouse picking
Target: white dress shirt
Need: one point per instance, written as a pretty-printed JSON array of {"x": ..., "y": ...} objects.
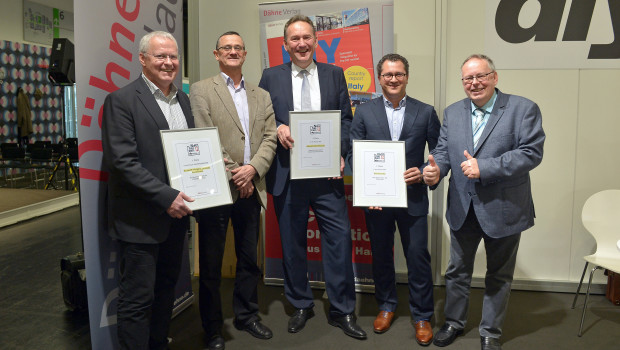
[
  {"x": 169, "y": 105},
  {"x": 315, "y": 90}
]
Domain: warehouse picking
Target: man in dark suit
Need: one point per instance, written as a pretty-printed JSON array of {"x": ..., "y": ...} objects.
[
  {"x": 146, "y": 216},
  {"x": 244, "y": 117},
  {"x": 491, "y": 141},
  {"x": 326, "y": 90},
  {"x": 396, "y": 116}
]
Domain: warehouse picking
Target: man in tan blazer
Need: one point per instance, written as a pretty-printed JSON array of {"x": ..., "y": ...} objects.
[{"x": 245, "y": 120}]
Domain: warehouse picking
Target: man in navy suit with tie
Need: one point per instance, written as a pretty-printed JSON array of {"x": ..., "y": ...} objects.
[
  {"x": 396, "y": 116},
  {"x": 491, "y": 141},
  {"x": 304, "y": 84}
]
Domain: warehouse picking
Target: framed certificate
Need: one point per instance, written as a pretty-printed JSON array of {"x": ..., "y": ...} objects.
[
  {"x": 195, "y": 166},
  {"x": 316, "y": 151},
  {"x": 378, "y": 168}
]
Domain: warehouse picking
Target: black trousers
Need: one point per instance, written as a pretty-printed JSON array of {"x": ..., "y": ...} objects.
[
  {"x": 148, "y": 276},
  {"x": 213, "y": 223}
]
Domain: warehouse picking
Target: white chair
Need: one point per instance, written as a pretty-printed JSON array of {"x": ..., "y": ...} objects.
[{"x": 600, "y": 217}]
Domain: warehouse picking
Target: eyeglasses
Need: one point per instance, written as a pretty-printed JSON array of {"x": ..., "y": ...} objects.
[
  {"x": 163, "y": 57},
  {"x": 479, "y": 77},
  {"x": 389, "y": 76},
  {"x": 229, "y": 48}
]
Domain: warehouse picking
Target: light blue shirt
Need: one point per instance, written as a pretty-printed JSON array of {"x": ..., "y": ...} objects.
[
  {"x": 487, "y": 109},
  {"x": 240, "y": 98},
  {"x": 395, "y": 116}
]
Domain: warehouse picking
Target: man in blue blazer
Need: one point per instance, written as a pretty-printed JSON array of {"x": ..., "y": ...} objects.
[
  {"x": 147, "y": 217},
  {"x": 491, "y": 141},
  {"x": 304, "y": 84},
  {"x": 396, "y": 116}
]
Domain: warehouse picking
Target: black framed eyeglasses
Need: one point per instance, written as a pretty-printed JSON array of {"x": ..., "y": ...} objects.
[{"x": 389, "y": 76}]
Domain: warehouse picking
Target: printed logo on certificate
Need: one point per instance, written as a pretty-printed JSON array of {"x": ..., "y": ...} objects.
[
  {"x": 196, "y": 167},
  {"x": 378, "y": 174}
]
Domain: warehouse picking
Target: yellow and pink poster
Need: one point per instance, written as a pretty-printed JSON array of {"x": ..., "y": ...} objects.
[{"x": 343, "y": 40}]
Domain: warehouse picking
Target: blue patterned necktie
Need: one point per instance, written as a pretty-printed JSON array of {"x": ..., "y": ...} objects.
[{"x": 478, "y": 118}]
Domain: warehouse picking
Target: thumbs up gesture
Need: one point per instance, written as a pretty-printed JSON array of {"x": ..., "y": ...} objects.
[
  {"x": 431, "y": 172},
  {"x": 470, "y": 166}
]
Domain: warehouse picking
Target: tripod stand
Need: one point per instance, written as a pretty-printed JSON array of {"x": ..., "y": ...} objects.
[{"x": 69, "y": 170}]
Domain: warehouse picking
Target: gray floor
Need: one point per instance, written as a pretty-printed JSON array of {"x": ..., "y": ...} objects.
[{"x": 33, "y": 316}]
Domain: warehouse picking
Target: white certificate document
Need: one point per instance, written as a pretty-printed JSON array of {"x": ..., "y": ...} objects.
[
  {"x": 195, "y": 166},
  {"x": 197, "y": 172},
  {"x": 378, "y": 174},
  {"x": 315, "y": 144},
  {"x": 316, "y": 150}
]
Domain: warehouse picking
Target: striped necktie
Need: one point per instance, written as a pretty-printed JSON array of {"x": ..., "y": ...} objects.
[
  {"x": 306, "y": 98},
  {"x": 478, "y": 118}
]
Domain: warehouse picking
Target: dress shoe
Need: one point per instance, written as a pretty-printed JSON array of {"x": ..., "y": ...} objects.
[
  {"x": 256, "y": 329},
  {"x": 216, "y": 342},
  {"x": 446, "y": 335},
  {"x": 423, "y": 332},
  {"x": 488, "y": 343},
  {"x": 298, "y": 321},
  {"x": 383, "y": 321},
  {"x": 348, "y": 326}
]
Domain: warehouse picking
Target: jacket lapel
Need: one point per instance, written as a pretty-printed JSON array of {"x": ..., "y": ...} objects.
[
  {"x": 187, "y": 110},
  {"x": 469, "y": 135},
  {"x": 324, "y": 83},
  {"x": 378, "y": 108},
  {"x": 496, "y": 114},
  {"x": 224, "y": 94},
  {"x": 287, "y": 85},
  {"x": 150, "y": 104},
  {"x": 411, "y": 113},
  {"x": 252, "y": 106}
]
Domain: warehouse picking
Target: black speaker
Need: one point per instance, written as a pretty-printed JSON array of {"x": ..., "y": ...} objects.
[{"x": 62, "y": 67}]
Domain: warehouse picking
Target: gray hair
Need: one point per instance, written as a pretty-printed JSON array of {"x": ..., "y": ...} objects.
[
  {"x": 145, "y": 42},
  {"x": 480, "y": 57}
]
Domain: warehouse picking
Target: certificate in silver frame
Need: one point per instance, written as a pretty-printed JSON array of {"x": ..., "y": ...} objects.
[
  {"x": 316, "y": 150},
  {"x": 195, "y": 166},
  {"x": 378, "y": 174}
]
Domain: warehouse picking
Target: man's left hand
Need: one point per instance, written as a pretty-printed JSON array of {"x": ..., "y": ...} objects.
[
  {"x": 246, "y": 191},
  {"x": 413, "y": 176},
  {"x": 470, "y": 166},
  {"x": 243, "y": 175},
  {"x": 341, "y": 170}
]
